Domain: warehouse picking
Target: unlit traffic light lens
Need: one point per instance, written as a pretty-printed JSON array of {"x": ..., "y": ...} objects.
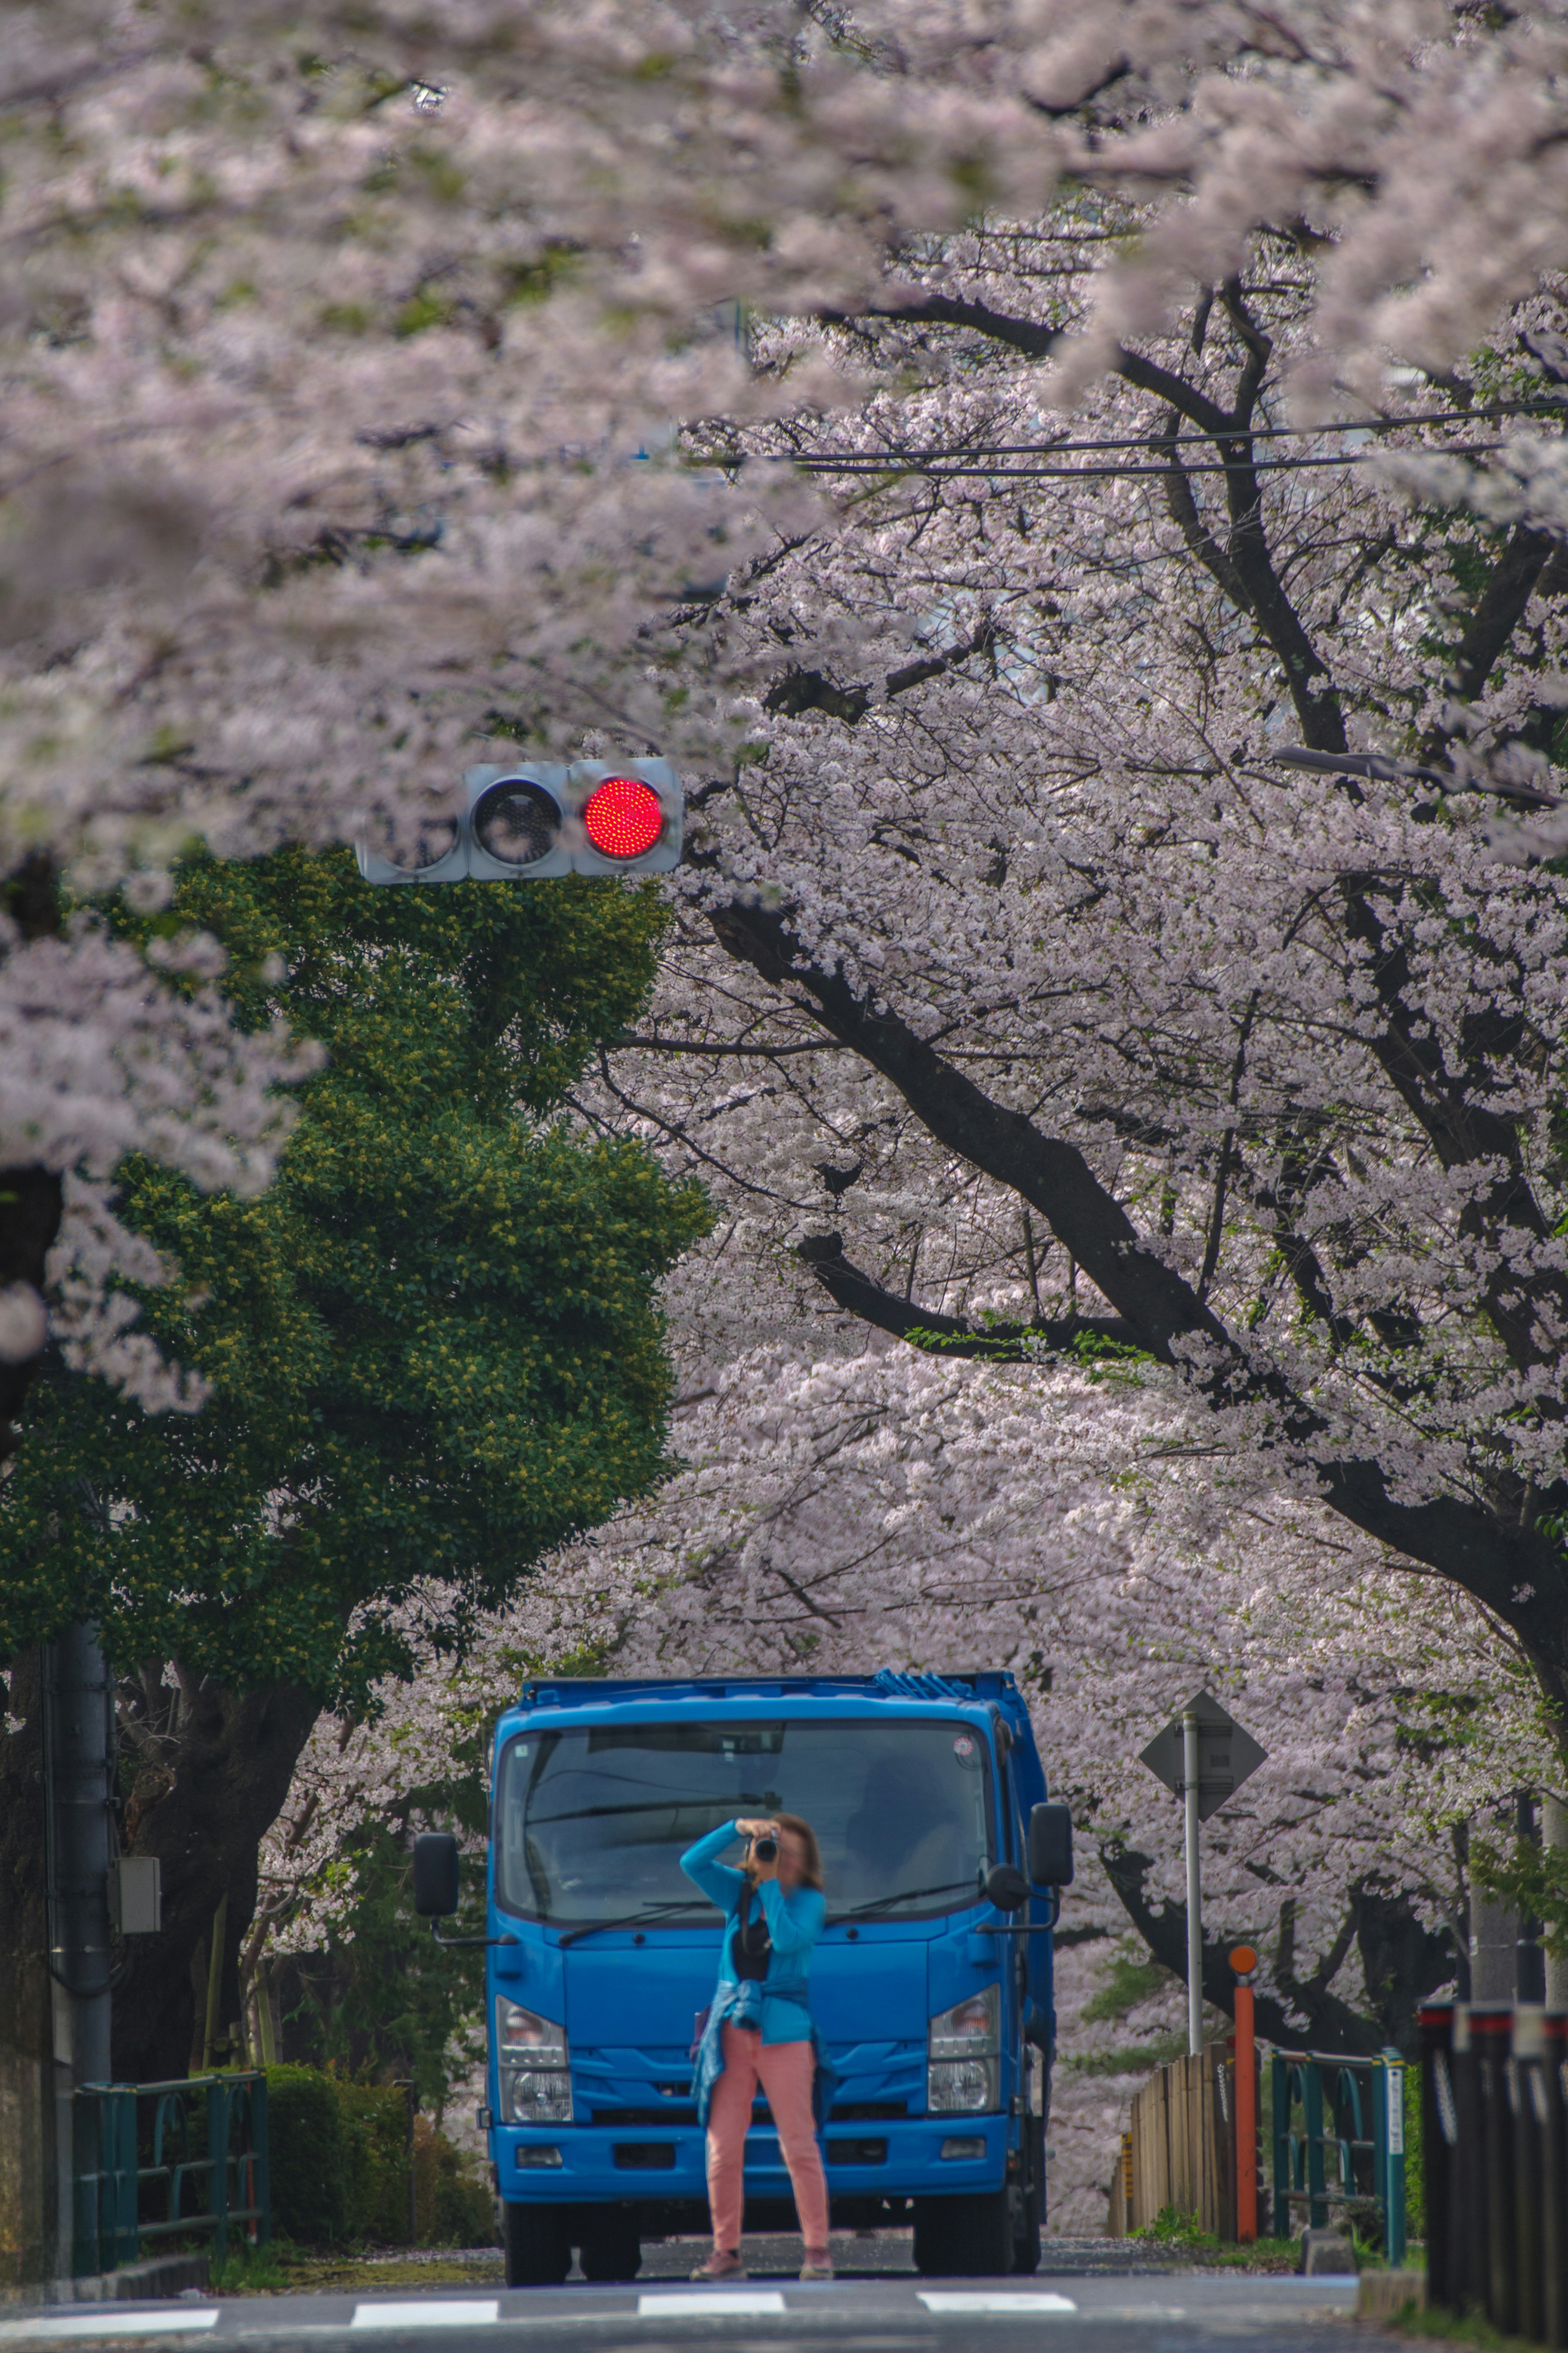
[
  {"x": 516, "y": 823},
  {"x": 435, "y": 839},
  {"x": 623, "y": 817}
]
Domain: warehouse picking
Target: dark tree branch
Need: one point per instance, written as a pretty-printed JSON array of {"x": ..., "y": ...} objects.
[
  {"x": 751, "y": 1051},
  {"x": 1183, "y": 509},
  {"x": 1315, "y": 2016},
  {"x": 1501, "y": 606},
  {"x": 801, "y": 690},
  {"x": 948, "y": 1335},
  {"x": 1402, "y": 1961}
]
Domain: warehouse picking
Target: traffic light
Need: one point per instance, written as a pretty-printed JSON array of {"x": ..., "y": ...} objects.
[{"x": 541, "y": 818}]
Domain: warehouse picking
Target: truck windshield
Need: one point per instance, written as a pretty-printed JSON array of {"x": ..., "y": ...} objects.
[{"x": 592, "y": 1825}]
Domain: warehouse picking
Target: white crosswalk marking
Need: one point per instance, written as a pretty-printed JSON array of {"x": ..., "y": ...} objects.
[
  {"x": 755, "y": 2302},
  {"x": 980, "y": 2299},
  {"x": 429, "y": 2312},
  {"x": 105, "y": 2320}
]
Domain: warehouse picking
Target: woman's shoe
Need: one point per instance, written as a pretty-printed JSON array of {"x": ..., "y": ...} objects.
[
  {"x": 818, "y": 2264},
  {"x": 722, "y": 2264}
]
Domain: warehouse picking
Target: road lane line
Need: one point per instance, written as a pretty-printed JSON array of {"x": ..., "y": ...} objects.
[
  {"x": 732, "y": 2301},
  {"x": 943, "y": 2299},
  {"x": 428, "y": 2312},
  {"x": 105, "y": 2320}
]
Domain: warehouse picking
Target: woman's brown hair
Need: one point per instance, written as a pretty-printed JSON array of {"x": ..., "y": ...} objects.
[{"x": 811, "y": 1876}]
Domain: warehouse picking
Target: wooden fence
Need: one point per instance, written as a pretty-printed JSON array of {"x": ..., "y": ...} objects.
[{"x": 1181, "y": 2151}]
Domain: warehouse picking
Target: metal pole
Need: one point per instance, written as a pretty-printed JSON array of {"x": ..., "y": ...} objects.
[
  {"x": 1194, "y": 1888},
  {"x": 81, "y": 1745}
]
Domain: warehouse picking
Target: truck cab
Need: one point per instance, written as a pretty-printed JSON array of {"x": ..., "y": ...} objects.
[{"x": 931, "y": 1985}]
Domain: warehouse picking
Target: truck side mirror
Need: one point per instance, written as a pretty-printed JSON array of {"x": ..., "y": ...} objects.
[
  {"x": 1007, "y": 1887},
  {"x": 1050, "y": 1846},
  {"x": 435, "y": 1874}
]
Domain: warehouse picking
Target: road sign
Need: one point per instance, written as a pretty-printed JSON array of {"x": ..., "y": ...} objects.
[
  {"x": 1204, "y": 1755},
  {"x": 1226, "y": 1755}
]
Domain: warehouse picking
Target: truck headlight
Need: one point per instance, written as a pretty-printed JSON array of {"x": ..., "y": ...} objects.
[
  {"x": 533, "y": 2064},
  {"x": 963, "y": 2074}
]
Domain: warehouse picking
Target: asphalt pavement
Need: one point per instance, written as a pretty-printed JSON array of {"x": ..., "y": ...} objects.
[{"x": 1079, "y": 2310}]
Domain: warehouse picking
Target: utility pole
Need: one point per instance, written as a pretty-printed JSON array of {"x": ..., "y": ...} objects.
[
  {"x": 79, "y": 1760},
  {"x": 29, "y": 2237}
]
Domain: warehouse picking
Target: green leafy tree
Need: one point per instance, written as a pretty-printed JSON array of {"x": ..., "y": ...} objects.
[{"x": 433, "y": 1347}]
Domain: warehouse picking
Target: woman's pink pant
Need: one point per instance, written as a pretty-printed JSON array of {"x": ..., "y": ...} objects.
[{"x": 786, "y": 2070}]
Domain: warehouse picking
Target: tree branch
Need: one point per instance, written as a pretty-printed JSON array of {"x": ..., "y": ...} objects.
[
  {"x": 800, "y": 691},
  {"x": 949, "y": 1335},
  {"x": 1501, "y": 606}
]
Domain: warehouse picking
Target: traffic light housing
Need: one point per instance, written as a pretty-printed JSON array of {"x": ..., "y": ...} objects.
[{"x": 542, "y": 819}]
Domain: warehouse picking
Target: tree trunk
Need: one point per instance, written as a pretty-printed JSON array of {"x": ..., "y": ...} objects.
[
  {"x": 209, "y": 1789},
  {"x": 1494, "y": 1949},
  {"x": 28, "y": 2151},
  {"x": 30, "y": 1197}
]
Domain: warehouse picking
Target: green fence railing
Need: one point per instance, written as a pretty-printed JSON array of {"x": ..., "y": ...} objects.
[
  {"x": 1339, "y": 2140},
  {"x": 186, "y": 2159}
]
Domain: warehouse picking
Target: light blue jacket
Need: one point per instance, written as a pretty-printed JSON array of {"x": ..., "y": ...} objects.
[{"x": 794, "y": 1923}]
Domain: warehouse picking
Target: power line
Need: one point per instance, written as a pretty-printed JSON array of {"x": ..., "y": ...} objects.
[
  {"x": 1251, "y": 433},
  {"x": 950, "y": 473}
]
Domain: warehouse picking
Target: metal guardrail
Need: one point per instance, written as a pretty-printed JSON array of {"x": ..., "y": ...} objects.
[
  {"x": 1494, "y": 2117},
  {"x": 1351, "y": 2113},
  {"x": 186, "y": 2186}
]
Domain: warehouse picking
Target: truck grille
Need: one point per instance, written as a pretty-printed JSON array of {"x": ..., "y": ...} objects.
[
  {"x": 666, "y": 2113},
  {"x": 856, "y": 2152},
  {"x": 868, "y": 2112},
  {"x": 644, "y": 2156}
]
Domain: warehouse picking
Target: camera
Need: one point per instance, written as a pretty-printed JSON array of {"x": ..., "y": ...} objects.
[{"x": 765, "y": 1849}]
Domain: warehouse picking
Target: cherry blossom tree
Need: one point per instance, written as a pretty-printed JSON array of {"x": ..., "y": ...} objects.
[
  {"x": 1012, "y": 947},
  {"x": 347, "y": 366},
  {"x": 342, "y": 349}
]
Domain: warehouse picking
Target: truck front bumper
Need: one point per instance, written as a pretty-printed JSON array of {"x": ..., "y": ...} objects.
[{"x": 913, "y": 2156}]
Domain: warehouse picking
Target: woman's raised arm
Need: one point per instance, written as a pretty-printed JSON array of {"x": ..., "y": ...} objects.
[{"x": 719, "y": 1882}]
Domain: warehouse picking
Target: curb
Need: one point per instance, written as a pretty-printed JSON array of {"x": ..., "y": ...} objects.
[
  {"x": 1384, "y": 2295},
  {"x": 160, "y": 2276}
]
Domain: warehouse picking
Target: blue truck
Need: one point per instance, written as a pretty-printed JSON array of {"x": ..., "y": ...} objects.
[{"x": 931, "y": 1985}]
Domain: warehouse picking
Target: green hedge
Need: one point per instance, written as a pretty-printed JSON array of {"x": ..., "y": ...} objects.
[
  {"x": 305, "y": 2157},
  {"x": 1414, "y": 2159},
  {"x": 340, "y": 2167}
]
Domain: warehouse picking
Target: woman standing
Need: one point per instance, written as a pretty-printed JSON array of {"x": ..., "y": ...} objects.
[{"x": 758, "y": 2026}]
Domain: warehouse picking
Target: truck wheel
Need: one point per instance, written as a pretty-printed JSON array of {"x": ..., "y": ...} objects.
[
  {"x": 964, "y": 2238},
  {"x": 536, "y": 2245},
  {"x": 609, "y": 2248}
]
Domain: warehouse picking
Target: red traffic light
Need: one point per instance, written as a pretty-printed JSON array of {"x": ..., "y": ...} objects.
[{"x": 623, "y": 818}]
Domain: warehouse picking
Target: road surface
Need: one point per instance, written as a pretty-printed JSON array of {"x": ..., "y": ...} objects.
[{"x": 1086, "y": 2311}]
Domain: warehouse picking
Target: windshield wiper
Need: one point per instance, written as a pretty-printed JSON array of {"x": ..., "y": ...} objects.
[
  {"x": 908, "y": 1896},
  {"x": 632, "y": 1919}
]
